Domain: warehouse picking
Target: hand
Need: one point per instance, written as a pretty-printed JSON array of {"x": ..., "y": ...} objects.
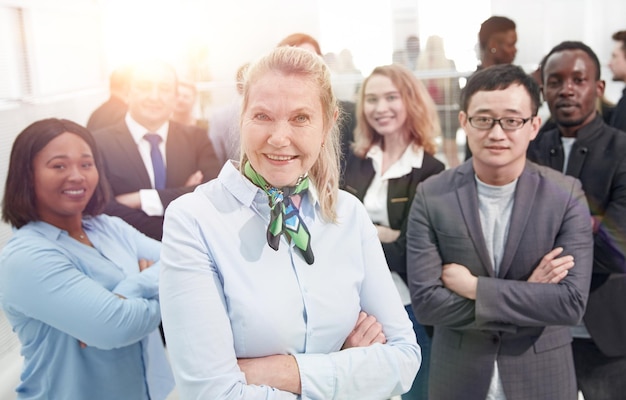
[
  {"x": 366, "y": 332},
  {"x": 460, "y": 280},
  {"x": 552, "y": 269},
  {"x": 278, "y": 371},
  {"x": 386, "y": 234},
  {"x": 144, "y": 264},
  {"x": 131, "y": 200},
  {"x": 194, "y": 179}
]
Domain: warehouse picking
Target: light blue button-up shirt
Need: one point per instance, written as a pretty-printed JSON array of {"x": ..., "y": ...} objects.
[
  {"x": 55, "y": 292},
  {"x": 225, "y": 294}
]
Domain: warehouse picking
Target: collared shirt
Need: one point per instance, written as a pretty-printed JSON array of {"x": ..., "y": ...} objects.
[
  {"x": 225, "y": 294},
  {"x": 150, "y": 201},
  {"x": 56, "y": 291},
  {"x": 375, "y": 199}
]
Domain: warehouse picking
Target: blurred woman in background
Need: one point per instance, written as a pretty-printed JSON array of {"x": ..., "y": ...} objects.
[{"x": 393, "y": 152}]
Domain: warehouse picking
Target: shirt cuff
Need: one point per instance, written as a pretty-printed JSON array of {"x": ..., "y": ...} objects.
[
  {"x": 317, "y": 375},
  {"x": 151, "y": 202}
]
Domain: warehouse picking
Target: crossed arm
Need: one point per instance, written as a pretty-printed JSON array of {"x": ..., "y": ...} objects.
[
  {"x": 551, "y": 269},
  {"x": 281, "y": 371}
]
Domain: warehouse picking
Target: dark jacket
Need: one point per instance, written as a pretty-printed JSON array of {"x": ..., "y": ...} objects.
[
  {"x": 597, "y": 160},
  {"x": 357, "y": 179},
  {"x": 188, "y": 149}
]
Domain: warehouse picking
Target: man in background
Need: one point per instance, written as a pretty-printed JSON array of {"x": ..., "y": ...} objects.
[
  {"x": 114, "y": 109},
  {"x": 584, "y": 146},
  {"x": 617, "y": 65},
  {"x": 150, "y": 160},
  {"x": 497, "y": 39},
  {"x": 184, "y": 112}
]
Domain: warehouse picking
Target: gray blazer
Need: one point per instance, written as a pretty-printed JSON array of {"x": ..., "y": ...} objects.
[{"x": 521, "y": 325}]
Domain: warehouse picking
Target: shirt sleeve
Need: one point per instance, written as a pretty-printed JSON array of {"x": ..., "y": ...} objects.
[
  {"x": 200, "y": 339},
  {"x": 377, "y": 371},
  {"x": 151, "y": 202},
  {"x": 195, "y": 320},
  {"x": 146, "y": 283},
  {"x": 43, "y": 283}
]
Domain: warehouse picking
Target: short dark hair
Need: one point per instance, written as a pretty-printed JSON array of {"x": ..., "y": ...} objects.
[
  {"x": 620, "y": 37},
  {"x": 491, "y": 26},
  {"x": 572, "y": 45},
  {"x": 498, "y": 77},
  {"x": 19, "y": 203}
]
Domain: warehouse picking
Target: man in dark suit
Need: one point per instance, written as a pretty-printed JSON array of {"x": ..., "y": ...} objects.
[
  {"x": 618, "y": 68},
  {"x": 499, "y": 255},
  {"x": 114, "y": 109},
  {"x": 584, "y": 146},
  {"x": 186, "y": 154}
]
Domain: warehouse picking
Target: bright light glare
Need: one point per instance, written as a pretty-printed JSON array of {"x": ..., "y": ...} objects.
[
  {"x": 363, "y": 28},
  {"x": 140, "y": 29}
]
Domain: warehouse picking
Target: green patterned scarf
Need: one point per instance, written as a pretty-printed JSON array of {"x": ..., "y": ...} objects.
[{"x": 284, "y": 215}]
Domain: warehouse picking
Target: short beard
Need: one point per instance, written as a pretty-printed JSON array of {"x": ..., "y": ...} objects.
[{"x": 572, "y": 123}]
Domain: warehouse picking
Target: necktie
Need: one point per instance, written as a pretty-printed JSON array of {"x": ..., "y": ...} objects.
[
  {"x": 284, "y": 214},
  {"x": 157, "y": 160}
]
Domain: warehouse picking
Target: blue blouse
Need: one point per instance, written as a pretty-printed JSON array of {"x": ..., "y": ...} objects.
[
  {"x": 225, "y": 294},
  {"x": 56, "y": 291}
]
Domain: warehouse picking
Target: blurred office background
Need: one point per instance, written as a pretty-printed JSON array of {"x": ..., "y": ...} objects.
[{"x": 55, "y": 57}]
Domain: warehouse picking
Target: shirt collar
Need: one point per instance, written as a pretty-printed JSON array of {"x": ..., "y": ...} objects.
[
  {"x": 413, "y": 157},
  {"x": 246, "y": 191},
  {"x": 137, "y": 130},
  {"x": 589, "y": 132}
]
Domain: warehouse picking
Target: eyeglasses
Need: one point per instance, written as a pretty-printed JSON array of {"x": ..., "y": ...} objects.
[{"x": 507, "y": 123}]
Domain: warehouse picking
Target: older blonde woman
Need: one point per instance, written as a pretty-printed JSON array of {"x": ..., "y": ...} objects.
[{"x": 275, "y": 285}]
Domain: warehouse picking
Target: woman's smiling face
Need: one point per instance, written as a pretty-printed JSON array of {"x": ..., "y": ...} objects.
[{"x": 282, "y": 130}]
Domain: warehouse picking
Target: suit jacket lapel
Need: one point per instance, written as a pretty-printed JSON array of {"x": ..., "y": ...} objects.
[
  {"x": 130, "y": 154},
  {"x": 467, "y": 197},
  {"x": 176, "y": 147},
  {"x": 520, "y": 215}
]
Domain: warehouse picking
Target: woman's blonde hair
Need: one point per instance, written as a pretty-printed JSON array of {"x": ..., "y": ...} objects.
[
  {"x": 422, "y": 122},
  {"x": 290, "y": 61}
]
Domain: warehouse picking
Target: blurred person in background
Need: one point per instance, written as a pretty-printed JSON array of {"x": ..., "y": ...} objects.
[
  {"x": 445, "y": 92},
  {"x": 224, "y": 124},
  {"x": 347, "y": 109},
  {"x": 114, "y": 109},
  {"x": 184, "y": 111},
  {"x": 393, "y": 152},
  {"x": 149, "y": 160},
  {"x": 618, "y": 68},
  {"x": 497, "y": 40}
]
